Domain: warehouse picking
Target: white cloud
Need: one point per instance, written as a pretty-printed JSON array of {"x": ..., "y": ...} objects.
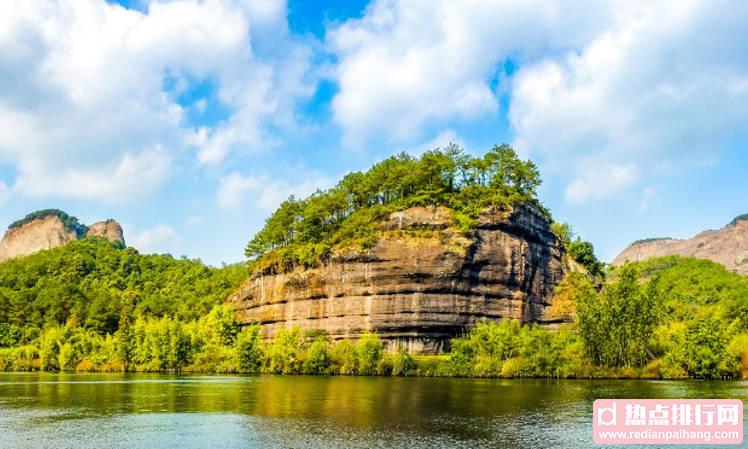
[
  {"x": 267, "y": 194},
  {"x": 89, "y": 90},
  {"x": 661, "y": 85},
  {"x": 160, "y": 238},
  {"x": 442, "y": 140},
  {"x": 659, "y": 89},
  {"x": 408, "y": 63},
  {"x": 601, "y": 180},
  {"x": 232, "y": 188}
]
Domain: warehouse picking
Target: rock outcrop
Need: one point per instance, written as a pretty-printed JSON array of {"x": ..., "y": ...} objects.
[
  {"x": 108, "y": 230},
  {"x": 45, "y": 231},
  {"x": 727, "y": 246},
  {"x": 422, "y": 283}
]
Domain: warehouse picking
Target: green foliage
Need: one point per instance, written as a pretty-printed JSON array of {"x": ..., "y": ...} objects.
[
  {"x": 650, "y": 240},
  {"x": 584, "y": 253},
  {"x": 93, "y": 280},
  {"x": 319, "y": 358},
  {"x": 369, "y": 353},
  {"x": 285, "y": 355},
  {"x": 580, "y": 251},
  {"x": 249, "y": 349},
  {"x": 303, "y": 232},
  {"x": 617, "y": 324},
  {"x": 403, "y": 363},
  {"x": 742, "y": 217},
  {"x": 71, "y": 223},
  {"x": 508, "y": 349}
]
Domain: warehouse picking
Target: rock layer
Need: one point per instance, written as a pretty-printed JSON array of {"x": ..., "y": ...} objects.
[
  {"x": 422, "y": 284},
  {"x": 50, "y": 232},
  {"x": 727, "y": 246}
]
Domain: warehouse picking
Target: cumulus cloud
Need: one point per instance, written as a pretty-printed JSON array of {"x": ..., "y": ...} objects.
[
  {"x": 409, "y": 63},
  {"x": 158, "y": 239},
  {"x": 267, "y": 193},
  {"x": 601, "y": 180},
  {"x": 659, "y": 85},
  {"x": 656, "y": 87},
  {"x": 90, "y": 92}
]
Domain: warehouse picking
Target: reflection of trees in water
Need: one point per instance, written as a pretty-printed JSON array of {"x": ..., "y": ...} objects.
[{"x": 330, "y": 409}]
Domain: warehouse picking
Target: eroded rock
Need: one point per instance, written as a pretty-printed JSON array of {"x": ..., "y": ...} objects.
[{"x": 422, "y": 284}]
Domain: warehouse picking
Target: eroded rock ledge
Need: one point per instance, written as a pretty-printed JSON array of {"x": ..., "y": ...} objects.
[{"x": 422, "y": 284}]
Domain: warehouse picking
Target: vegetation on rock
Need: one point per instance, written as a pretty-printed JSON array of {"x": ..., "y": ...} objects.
[
  {"x": 743, "y": 217},
  {"x": 650, "y": 240},
  {"x": 71, "y": 223},
  {"x": 304, "y": 231}
]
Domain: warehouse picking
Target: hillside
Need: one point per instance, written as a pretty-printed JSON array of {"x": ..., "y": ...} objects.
[
  {"x": 91, "y": 280},
  {"x": 51, "y": 228},
  {"x": 727, "y": 246}
]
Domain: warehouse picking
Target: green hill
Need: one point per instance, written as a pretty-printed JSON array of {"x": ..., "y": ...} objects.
[{"x": 89, "y": 280}]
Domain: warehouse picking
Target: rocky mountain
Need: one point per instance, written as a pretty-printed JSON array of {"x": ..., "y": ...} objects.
[
  {"x": 421, "y": 284},
  {"x": 49, "y": 229},
  {"x": 727, "y": 246}
]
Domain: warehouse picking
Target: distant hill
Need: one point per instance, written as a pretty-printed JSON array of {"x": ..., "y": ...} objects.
[
  {"x": 51, "y": 228},
  {"x": 727, "y": 246}
]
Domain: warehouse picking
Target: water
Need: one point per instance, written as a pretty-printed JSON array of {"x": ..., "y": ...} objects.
[{"x": 43, "y": 410}]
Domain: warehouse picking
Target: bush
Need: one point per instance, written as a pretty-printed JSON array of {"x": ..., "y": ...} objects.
[
  {"x": 249, "y": 349},
  {"x": 369, "y": 353}
]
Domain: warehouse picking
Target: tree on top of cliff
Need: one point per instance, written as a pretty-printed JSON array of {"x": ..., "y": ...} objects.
[
  {"x": 743, "y": 217},
  {"x": 303, "y": 231},
  {"x": 70, "y": 222}
]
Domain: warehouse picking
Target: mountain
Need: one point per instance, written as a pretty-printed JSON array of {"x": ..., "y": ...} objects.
[
  {"x": 727, "y": 246},
  {"x": 51, "y": 228},
  {"x": 421, "y": 284}
]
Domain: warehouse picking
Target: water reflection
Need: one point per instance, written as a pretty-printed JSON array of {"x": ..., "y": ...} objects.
[{"x": 144, "y": 410}]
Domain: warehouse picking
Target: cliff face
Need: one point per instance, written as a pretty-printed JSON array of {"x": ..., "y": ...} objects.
[
  {"x": 422, "y": 284},
  {"x": 108, "y": 230},
  {"x": 50, "y": 232},
  {"x": 727, "y": 246}
]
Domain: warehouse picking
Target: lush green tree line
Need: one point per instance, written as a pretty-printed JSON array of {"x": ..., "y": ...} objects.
[
  {"x": 303, "y": 231},
  {"x": 91, "y": 305},
  {"x": 90, "y": 281}
]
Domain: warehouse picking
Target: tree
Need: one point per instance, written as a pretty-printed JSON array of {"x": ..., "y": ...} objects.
[
  {"x": 126, "y": 344},
  {"x": 617, "y": 324},
  {"x": 249, "y": 349}
]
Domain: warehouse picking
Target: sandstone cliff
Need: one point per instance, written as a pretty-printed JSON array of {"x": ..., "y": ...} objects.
[
  {"x": 727, "y": 246},
  {"x": 108, "y": 230},
  {"x": 45, "y": 231},
  {"x": 422, "y": 284}
]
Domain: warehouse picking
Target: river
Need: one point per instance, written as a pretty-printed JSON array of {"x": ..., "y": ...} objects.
[{"x": 102, "y": 411}]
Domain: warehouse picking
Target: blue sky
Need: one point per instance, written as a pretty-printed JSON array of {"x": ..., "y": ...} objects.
[{"x": 189, "y": 121}]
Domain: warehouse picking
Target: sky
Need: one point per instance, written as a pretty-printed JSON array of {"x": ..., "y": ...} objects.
[{"x": 189, "y": 121}]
